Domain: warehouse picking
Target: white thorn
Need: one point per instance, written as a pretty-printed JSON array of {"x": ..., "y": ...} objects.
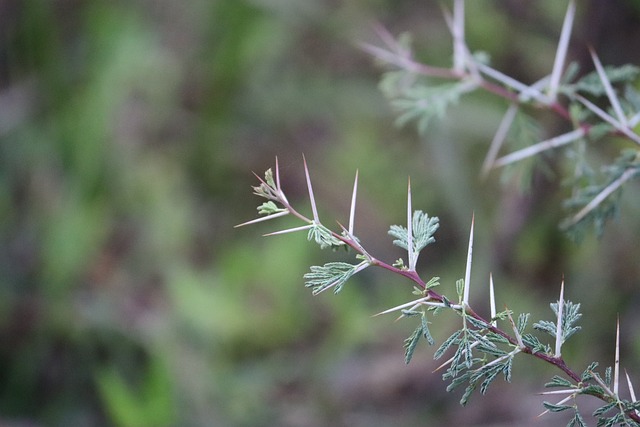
[
  {"x": 613, "y": 98},
  {"x": 310, "y": 188},
  {"x": 467, "y": 273},
  {"x": 616, "y": 366},
  {"x": 412, "y": 262},
  {"x": 263, "y": 218},
  {"x": 492, "y": 301},
  {"x": 289, "y": 230},
  {"x": 498, "y": 139},
  {"x": 632, "y": 393},
  {"x": 352, "y": 212},
  {"x": 559, "y": 331},
  {"x": 556, "y": 141}
]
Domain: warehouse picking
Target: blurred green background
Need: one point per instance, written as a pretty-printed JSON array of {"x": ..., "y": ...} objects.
[{"x": 128, "y": 134}]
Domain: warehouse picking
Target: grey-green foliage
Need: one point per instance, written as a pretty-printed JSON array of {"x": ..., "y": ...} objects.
[
  {"x": 422, "y": 331},
  {"x": 591, "y": 83},
  {"x": 570, "y": 315},
  {"x": 615, "y": 411},
  {"x": 423, "y": 229},
  {"x": 331, "y": 275},
  {"x": 423, "y": 103},
  {"x": 323, "y": 237},
  {"x": 587, "y": 185}
]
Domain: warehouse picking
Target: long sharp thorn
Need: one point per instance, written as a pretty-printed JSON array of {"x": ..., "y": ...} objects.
[
  {"x": 263, "y": 218},
  {"x": 516, "y": 332},
  {"x": 507, "y": 81},
  {"x": 412, "y": 262},
  {"x": 559, "y": 403},
  {"x": 289, "y": 230},
  {"x": 278, "y": 187},
  {"x": 613, "y": 98},
  {"x": 602, "y": 384},
  {"x": 561, "y": 52},
  {"x": 616, "y": 366},
  {"x": 566, "y": 391},
  {"x": 632, "y": 393},
  {"x": 473, "y": 344},
  {"x": 609, "y": 119},
  {"x": 401, "y": 306},
  {"x": 262, "y": 181},
  {"x": 534, "y": 149},
  {"x": 498, "y": 139},
  {"x": 559, "y": 331},
  {"x": 352, "y": 212},
  {"x": 467, "y": 273},
  {"x": 611, "y": 188},
  {"x": 492, "y": 301},
  {"x": 316, "y": 218}
]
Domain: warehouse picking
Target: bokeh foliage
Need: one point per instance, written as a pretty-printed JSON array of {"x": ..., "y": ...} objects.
[{"x": 128, "y": 131}]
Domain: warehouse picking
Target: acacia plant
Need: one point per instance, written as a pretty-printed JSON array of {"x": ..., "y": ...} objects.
[{"x": 482, "y": 349}]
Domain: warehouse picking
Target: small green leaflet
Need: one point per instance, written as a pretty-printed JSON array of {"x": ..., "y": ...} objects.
[
  {"x": 323, "y": 237},
  {"x": 269, "y": 208},
  {"x": 552, "y": 407},
  {"x": 421, "y": 331},
  {"x": 592, "y": 83},
  {"x": 558, "y": 381},
  {"x": 577, "y": 421},
  {"x": 570, "y": 315},
  {"x": 424, "y": 227},
  {"x": 332, "y": 274}
]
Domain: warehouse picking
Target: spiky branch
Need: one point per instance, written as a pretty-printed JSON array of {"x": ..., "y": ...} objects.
[{"x": 478, "y": 335}]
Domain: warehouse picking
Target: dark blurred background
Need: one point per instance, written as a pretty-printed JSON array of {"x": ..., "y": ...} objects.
[{"x": 128, "y": 134}]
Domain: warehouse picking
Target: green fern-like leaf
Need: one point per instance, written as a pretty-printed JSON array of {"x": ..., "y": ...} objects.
[
  {"x": 423, "y": 229},
  {"x": 552, "y": 407},
  {"x": 592, "y": 83},
  {"x": 558, "y": 381},
  {"x": 447, "y": 344},
  {"x": 411, "y": 343},
  {"x": 332, "y": 274},
  {"x": 577, "y": 421},
  {"x": 323, "y": 237},
  {"x": 570, "y": 315},
  {"x": 424, "y": 103},
  {"x": 269, "y": 208}
]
